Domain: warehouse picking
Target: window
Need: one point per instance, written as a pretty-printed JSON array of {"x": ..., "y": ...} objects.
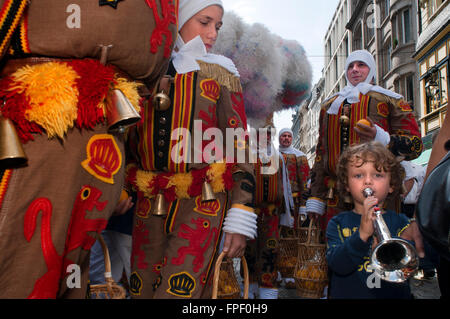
[
  {"x": 436, "y": 88},
  {"x": 384, "y": 9},
  {"x": 369, "y": 27},
  {"x": 433, "y": 6},
  {"x": 443, "y": 84},
  {"x": 386, "y": 57},
  {"x": 409, "y": 89},
  {"x": 406, "y": 27},
  {"x": 394, "y": 32},
  {"x": 336, "y": 68},
  {"x": 357, "y": 37}
]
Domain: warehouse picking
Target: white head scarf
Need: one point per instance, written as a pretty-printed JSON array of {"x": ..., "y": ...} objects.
[
  {"x": 289, "y": 149},
  {"x": 185, "y": 58},
  {"x": 350, "y": 92},
  {"x": 188, "y": 8}
]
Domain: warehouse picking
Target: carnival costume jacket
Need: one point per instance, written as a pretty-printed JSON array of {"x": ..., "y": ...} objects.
[
  {"x": 173, "y": 256},
  {"x": 60, "y": 59}
]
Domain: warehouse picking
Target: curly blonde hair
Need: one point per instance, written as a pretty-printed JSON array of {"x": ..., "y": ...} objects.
[{"x": 382, "y": 159}]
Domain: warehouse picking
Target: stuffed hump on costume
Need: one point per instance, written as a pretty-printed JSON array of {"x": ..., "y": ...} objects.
[{"x": 65, "y": 65}]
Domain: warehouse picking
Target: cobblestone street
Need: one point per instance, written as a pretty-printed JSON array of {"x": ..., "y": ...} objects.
[{"x": 420, "y": 288}]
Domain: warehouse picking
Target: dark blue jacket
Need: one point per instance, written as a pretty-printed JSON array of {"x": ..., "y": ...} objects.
[{"x": 349, "y": 259}]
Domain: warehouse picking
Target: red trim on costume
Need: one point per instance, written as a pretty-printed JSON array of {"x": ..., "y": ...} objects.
[
  {"x": 140, "y": 238},
  {"x": 168, "y": 12},
  {"x": 237, "y": 100},
  {"x": 79, "y": 226},
  {"x": 46, "y": 286}
]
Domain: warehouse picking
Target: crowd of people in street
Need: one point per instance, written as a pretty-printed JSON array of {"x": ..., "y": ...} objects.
[{"x": 166, "y": 205}]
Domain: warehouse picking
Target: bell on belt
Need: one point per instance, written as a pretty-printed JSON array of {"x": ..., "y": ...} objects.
[
  {"x": 11, "y": 151},
  {"x": 348, "y": 199},
  {"x": 120, "y": 112},
  {"x": 330, "y": 194},
  {"x": 207, "y": 192},
  {"x": 159, "y": 206},
  {"x": 161, "y": 101},
  {"x": 345, "y": 120}
]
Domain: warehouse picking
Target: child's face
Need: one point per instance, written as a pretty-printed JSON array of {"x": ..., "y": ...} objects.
[{"x": 366, "y": 175}]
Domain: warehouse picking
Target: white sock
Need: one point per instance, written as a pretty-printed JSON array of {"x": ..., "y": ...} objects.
[{"x": 268, "y": 293}]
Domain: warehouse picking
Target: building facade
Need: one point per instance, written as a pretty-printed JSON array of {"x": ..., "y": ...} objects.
[
  {"x": 389, "y": 30},
  {"x": 432, "y": 56},
  {"x": 305, "y": 122}
]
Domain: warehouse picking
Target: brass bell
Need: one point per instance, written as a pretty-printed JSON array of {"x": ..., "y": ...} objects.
[
  {"x": 330, "y": 194},
  {"x": 344, "y": 120},
  {"x": 348, "y": 199},
  {"x": 207, "y": 192},
  {"x": 159, "y": 206},
  {"x": 161, "y": 101},
  {"x": 11, "y": 151},
  {"x": 120, "y": 112}
]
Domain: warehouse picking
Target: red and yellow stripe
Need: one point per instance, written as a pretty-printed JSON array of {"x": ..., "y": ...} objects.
[
  {"x": 181, "y": 119},
  {"x": 4, "y": 181},
  {"x": 272, "y": 185},
  {"x": 358, "y": 111},
  {"x": 10, "y": 16}
]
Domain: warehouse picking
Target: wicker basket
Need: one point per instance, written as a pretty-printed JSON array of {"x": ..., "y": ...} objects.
[
  {"x": 109, "y": 290},
  {"x": 311, "y": 272},
  {"x": 225, "y": 284},
  {"x": 287, "y": 256}
]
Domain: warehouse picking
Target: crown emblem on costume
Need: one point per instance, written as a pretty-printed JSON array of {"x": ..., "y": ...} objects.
[
  {"x": 135, "y": 284},
  {"x": 210, "y": 208},
  {"x": 181, "y": 284},
  {"x": 210, "y": 89},
  {"x": 144, "y": 206},
  {"x": 103, "y": 157}
]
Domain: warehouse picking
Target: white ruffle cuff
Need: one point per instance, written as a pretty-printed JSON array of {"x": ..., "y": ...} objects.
[
  {"x": 240, "y": 221},
  {"x": 315, "y": 206}
]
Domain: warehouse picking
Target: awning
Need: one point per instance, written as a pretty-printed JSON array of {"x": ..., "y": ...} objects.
[{"x": 423, "y": 158}]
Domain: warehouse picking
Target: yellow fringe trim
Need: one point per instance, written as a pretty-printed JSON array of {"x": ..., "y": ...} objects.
[
  {"x": 52, "y": 94},
  {"x": 221, "y": 75},
  {"x": 383, "y": 98},
  {"x": 181, "y": 181},
  {"x": 214, "y": 174}
]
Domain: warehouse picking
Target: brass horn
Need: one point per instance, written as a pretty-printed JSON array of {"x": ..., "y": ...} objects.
[
  {"x": 207, "y": 192},
  {"x": 159, "y": 206},
  {"x": 120, "y": 112},
  {"x": 393, "y": 259},
  {"x": 11, "y": 150}
]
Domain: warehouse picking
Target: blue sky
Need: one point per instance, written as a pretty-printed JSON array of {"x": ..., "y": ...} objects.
[{"x": 306, "y": 21}]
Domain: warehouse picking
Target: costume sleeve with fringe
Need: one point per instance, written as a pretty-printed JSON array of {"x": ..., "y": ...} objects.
[{"x": 240, "y": 218}]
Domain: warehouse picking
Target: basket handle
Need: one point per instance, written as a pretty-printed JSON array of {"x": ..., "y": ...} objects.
[
  {"x": 311, "y": 222},
  {"x": 106, "y": 256},
  {"x": 217, "y": 273}
]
